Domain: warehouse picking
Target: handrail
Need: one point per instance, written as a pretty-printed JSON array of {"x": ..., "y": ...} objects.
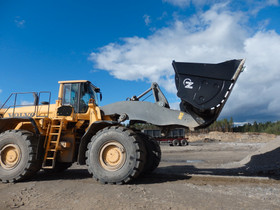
[{"x": 35, "y": 103}]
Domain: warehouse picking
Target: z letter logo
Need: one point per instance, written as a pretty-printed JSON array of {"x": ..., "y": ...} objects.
[{"x": 188, "y": 83}]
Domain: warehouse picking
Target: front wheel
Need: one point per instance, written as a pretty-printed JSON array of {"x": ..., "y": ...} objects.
[{"x": 115, "y": 155}]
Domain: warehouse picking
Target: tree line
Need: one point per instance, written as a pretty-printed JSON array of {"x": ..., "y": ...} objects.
[{"x": 226, "y": 125}]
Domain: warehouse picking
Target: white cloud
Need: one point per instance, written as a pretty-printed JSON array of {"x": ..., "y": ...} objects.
[
  {"x": 180, "y": 3},
  {"x": 1, "y": 90},
  {"x": 270, "y": 2},
  {"x": 213, "y": 36},
  {"x": 196, "y": 3},
  {"x": 254, "y": 6},
  {"x": 258, "y": 87},
  {"x": 206, "y": 38},
  {"x": 26, "y": 103},
  {"x": 147, "y": 19},
  {"x": 258, "y": 5},
  {"x": 20, "y": 23}
]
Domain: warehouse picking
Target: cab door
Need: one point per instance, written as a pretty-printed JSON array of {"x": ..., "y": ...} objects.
[{"x": 71, "y": 95}]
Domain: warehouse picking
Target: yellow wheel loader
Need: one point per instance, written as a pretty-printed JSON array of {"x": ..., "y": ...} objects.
[{"x": 75, "y": 129}]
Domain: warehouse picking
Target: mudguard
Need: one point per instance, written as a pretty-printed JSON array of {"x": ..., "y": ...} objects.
[{"x": 11, "y": 123}]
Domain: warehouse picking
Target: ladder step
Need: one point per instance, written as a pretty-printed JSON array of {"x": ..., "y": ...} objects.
[
  {"x": 49, "y": 158},
  {"x": 55, "y": 126},
  {"x": 54, "y": 134},
  {"x": 48, "y": 167},
  {"x": 53, "y": 142}
]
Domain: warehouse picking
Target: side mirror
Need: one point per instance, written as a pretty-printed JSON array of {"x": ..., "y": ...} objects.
[{"x": 100, "y": 96}]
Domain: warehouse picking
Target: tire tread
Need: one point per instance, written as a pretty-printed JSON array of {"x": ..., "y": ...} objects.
[
  {"x": 140, "y": 154},
  {"x": 33, "y": 165}
]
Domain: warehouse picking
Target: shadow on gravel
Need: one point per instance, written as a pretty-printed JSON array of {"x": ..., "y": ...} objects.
[
  {"x": 157, "y": 178},
  {"x": 80, "y": 174},
  {"x": 70, "y": 174},
  {"x": 243, "y": 171},
  {"x": 265, "y": 164}
]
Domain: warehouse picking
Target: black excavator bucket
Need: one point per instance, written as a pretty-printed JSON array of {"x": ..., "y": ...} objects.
[{"x": 204, "y": 88}]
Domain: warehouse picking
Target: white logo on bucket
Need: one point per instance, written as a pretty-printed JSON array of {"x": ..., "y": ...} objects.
[{"x": 188, "y": 83}]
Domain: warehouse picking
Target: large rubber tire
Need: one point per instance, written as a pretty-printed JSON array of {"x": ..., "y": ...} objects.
[
  {"x": 184, "y": 142},
  {"x": 115, "y": 155},
  {"x": 18, "y": 155},
  {"x": 176, "y": 142},
  {"x": 153, "y": 153}
]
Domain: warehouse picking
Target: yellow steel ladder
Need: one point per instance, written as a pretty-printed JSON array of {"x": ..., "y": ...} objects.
[{"x": 52, "y": 143}]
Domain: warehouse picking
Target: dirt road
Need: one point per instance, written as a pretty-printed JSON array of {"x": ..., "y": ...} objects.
[{"x": 192, "y": 177}]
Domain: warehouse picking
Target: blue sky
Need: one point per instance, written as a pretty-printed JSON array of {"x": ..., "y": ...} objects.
[{"x": 123, "y": 46}]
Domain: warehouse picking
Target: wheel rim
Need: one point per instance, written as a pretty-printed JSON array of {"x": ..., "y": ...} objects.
[
  {"x": 10, "y": 156},
  {"x": 112, "y": 156}
]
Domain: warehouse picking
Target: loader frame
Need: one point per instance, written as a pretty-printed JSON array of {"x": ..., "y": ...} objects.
[{"x": 76, "y": 129}]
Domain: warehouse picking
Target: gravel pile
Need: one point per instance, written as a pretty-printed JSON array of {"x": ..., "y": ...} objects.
[
  {"x": 264, "y": 160},
  {"x": 232, "y": 137}
]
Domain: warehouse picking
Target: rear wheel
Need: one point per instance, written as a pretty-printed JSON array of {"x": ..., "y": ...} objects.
[
  {"x": 18, "y": 155},
  {"x": 153, "y": 153},
  {"x": 176, "y": 142},
  {"x": 184, "y": 142},
  {"x": 115, "y": 155}
]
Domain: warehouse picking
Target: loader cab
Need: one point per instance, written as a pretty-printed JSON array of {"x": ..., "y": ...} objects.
[{"x": 78, "y": 94}]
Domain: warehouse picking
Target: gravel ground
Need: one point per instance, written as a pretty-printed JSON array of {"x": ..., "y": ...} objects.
[{"x": 213, "y": 175}]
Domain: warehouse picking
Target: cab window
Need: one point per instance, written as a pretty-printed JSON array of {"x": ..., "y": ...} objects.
[
  {"x": 78, "y": 95},
  {"x": 70, "y": 95}
]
